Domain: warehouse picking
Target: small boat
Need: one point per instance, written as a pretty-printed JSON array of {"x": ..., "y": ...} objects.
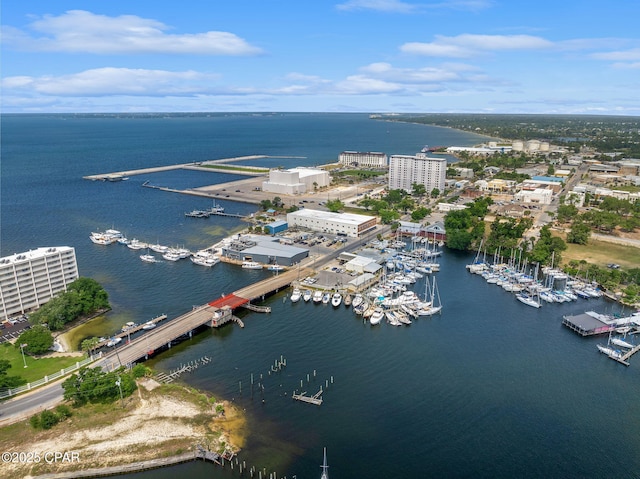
[
  {"x": 317, "y": 296},
  {"x": 128, "y": 326},
  {"x": 326, "y": 297},
  {"x": 275, "y": 267},
  {"x": 336, "y": 299},
  {"x": 215, "y": 209},
  {"x": 306, "y": 296},
  {"x": 377, "y": 316},
  {"x": 612, "y": 353},
  {"x": 148, "y": 258},
  {"x": 205, "y": 258},
  {"x": 149, "y": 325},
  {"x": 348, "y": 300},
  {"x": 171, "y": 256},
  {"x": 357, "y": 300},
  {"x": 198, "y": 214},
  {"x": 113, "y": 341},
  {"x": 528, "y": 300},
  {"x": 251, "y": 265},
  {"x": 296, "y": 295},
  {"x": 622, "y": 343},
  {"x": 158, "y": 248},
  {"x": 136, "y": 244}
]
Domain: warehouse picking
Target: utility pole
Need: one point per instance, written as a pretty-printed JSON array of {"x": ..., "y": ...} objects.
[{"x": 22, "y": 346}]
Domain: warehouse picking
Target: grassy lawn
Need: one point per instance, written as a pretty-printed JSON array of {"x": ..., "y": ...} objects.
[
  {"x": 602, "y": 253},
  {"x": 37, "y": 368}
]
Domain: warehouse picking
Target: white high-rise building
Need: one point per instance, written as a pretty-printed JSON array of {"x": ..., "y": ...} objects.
[
  {"x": 28, "y": 280},
  {"x": 405, "y": 170},
  {"x": 368, "y": 159},
  {"x": 296, "y": 180}
]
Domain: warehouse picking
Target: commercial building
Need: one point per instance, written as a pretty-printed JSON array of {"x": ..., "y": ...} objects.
[
  {"x": 405, "y": 170},
  {"x": 368, "y": 159},
  {"x": 296, "y": 180},
  {"x": 28, "y": 280},
  {"x": 263, "y": 249},
  {"x": 276, "y": 227},
  {"x": 345, "y": 224}
]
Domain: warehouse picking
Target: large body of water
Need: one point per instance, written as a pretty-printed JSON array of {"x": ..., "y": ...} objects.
[{"x": 491, "y": 388}]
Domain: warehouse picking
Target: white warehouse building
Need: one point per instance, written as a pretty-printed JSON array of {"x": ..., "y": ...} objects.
[
  {"x": 28, "y": 280},
  {"x": 345, "y": 224},
  {"x": 370, "y": 159},
  {"x": 405, "y": 170},
  {"x": 296, "y": 180}
]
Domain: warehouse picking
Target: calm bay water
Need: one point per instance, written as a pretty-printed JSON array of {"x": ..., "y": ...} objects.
[{"x": 491, "y": 388}]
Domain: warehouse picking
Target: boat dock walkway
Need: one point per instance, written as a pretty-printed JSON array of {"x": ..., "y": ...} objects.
[{"x": 624, "y": 359}]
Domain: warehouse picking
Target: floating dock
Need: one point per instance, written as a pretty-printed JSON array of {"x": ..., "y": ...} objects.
[{"x": 315, "y": 399}]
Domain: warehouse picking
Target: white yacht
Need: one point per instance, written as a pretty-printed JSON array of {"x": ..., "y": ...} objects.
[
  {"x": 317, "y": 296},
  {"x": 336, "y": 299},
  {"x": 296, "y": 295},
  {"x": 148, "y": 258},
  {"x": 306, "y": 296},
  {"x": 251, "y": 265},
  {"x": 377, "y": 316}
]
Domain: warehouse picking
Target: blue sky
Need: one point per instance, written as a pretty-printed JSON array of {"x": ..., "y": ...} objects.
[{"x": 449, "y": 56}]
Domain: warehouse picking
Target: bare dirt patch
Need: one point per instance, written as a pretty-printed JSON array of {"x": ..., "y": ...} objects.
[{"x": 156, "y": 423}]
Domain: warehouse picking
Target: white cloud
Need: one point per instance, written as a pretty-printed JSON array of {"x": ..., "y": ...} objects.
[
  {"x": 624, "y": 56},
  {"x": 466, "y": 45},
  {"x": 115, "y": 81},
  {"x": 83, "y": 31},
  {"x": 395, "y": 6}
]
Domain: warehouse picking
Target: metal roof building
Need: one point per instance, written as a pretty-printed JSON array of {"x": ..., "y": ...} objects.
[{"x": 265, "y": 250}]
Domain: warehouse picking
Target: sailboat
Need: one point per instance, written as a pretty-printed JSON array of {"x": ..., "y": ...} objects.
[
  {"x": 434, "y": 306},
  {"x": 325, "y": 467}
]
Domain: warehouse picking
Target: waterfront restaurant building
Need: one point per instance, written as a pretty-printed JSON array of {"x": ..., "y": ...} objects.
[
  {"x": 296, "y": 181},
  {"x": 28, "y": 280},
  {"x": 405, "y": 170},
  {"x": 367, "y": 159},
  {"x": 342, "y": 224}
]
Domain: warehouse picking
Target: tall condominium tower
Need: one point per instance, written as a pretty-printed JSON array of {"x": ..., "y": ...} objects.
[
  {"x": 405, "y": 170},
  {"x": 28, "y": 280}
]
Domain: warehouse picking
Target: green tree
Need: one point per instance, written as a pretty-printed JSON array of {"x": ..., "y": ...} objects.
[
  {"x": 7, "y": 381},
  {"x": 420, "y": 213},
  {"x": 435, "y": 193},
  {"x": 419, "y": 189},
  {"x": 89, "y": 344},
  {"x": 579, "y": 234},
  {"x": 38, "y": 339},
  {"x": 566, "y": 213},
  {"x": 277, "y": 201},
  {"x": 387, "y": 216},
  {"x": 334, "y": 205},
  {"x": 266, "y": 205},
  {"x": 406, "y": 204}
]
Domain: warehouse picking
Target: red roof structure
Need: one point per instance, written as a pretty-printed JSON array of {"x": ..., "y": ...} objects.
[{"x": 230, "y": 300}]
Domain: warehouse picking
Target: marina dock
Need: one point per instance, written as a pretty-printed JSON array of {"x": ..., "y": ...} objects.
[{"x": 315, "y": 399}]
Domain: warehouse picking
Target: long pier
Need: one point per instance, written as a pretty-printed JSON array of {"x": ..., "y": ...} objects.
[{"x": 200, "y": 165}]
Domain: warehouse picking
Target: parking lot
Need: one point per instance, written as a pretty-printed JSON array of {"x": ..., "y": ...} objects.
[{"x": 12, "y": 328}]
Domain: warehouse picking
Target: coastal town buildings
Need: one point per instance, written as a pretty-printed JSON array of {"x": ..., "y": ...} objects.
[
  {"x": 296, "y": 180},
  {"x": 368, "y": 159},
  {"x": 405, "y": 170},
  {"x": 28, "y": 280},
  {"x": 344, "y": 224}
]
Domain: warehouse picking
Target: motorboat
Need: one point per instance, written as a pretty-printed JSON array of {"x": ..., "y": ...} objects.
[
  {"x": 377, "y": 315},
  {"x": 205, "y": 258},
  {"x": 326, "y": 297},
  {"x": 149, "y": 325},
  {"x": 136, "y": 244},
  {"x": 296, "y": 295},
  {"x": 306, "y": 296},
  {"x": 317, "y": 296},
  {"x": 336, "y": 299},
  {"x": 109, "y": 236},
  {"x": 357, "y": 300},
  {"x": 148, "y": 258},
  {"x": 158, "y": 248},
  {"x": 251, "y": 265},
  {"x": 113, "y": 341},
  {"x": 348, "y": 300},
  {"x": 275, "y": 267},
  {"x": 171, "y": 256}
]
